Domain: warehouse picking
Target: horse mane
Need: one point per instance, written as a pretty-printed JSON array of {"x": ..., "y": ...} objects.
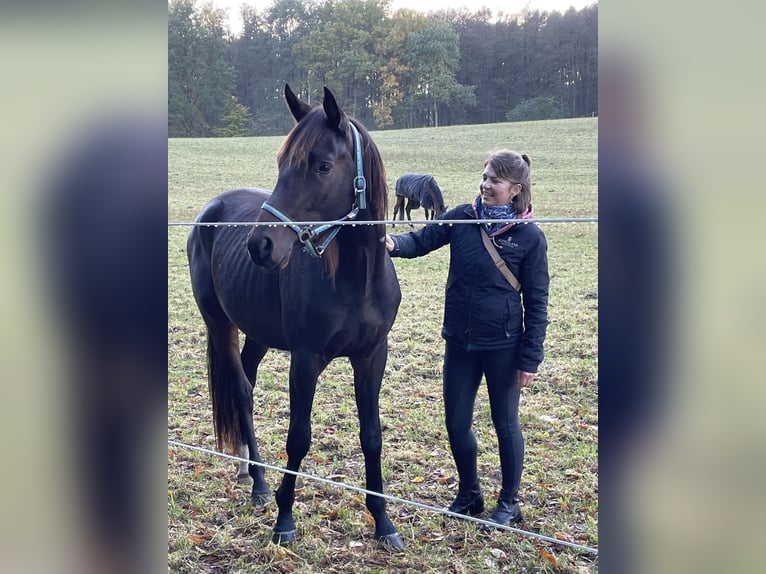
[
  {"x": 293, "y": 155},
  {"x": 375, "y": 174}
]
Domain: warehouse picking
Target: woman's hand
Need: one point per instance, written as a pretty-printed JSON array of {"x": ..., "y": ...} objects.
[
  {"x": 389, "y": 243},
  {"x": 525, "y": 378}
]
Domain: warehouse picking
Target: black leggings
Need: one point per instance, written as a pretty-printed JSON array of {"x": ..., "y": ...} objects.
[{"x": 463, "y": 371}]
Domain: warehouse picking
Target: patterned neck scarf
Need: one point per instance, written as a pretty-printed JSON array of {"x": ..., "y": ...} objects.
[
  {"x": 498, "y": 212},
  {"x": 494, "y": 212}
]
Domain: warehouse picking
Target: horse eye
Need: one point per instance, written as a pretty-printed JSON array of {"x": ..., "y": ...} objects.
[{"x": 324, "y": 168}]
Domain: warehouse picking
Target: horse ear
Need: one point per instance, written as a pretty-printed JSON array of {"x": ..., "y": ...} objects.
[
  {"x": 335, "y": 115},
  {"x": 298, "y": 108}
]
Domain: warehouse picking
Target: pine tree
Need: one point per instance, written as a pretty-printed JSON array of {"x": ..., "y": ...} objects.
[{"x": 236, "y": 121}]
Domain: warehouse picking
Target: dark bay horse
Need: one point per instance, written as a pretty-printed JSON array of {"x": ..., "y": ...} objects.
[
  {"x": 337, "y": 296},
  {"x": 418, "y": 190}
]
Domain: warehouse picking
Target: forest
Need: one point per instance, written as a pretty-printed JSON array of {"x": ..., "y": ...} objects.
[{"x": 390, "y": 69}]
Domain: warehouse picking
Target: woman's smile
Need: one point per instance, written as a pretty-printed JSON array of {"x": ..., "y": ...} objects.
[{"x": 496, "y": 191}]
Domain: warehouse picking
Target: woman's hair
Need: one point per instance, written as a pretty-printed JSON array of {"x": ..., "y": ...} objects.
[{"x": 514, "y": 167}]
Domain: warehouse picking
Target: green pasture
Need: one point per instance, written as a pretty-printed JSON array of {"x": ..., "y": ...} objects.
[{"x": 212, "y": 527}]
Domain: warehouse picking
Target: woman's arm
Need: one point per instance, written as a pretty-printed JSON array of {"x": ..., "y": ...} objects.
[
  {"x": 534, "y": 294},
  {"x": 422, "y": 241}
]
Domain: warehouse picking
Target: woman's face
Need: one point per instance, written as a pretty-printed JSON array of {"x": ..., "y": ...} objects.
[{"x": 496, "y": 191}]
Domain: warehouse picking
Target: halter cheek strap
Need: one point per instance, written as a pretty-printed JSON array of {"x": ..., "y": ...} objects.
[
  {"x": 360, "y": 184},
  {"x": 308, "y": 234}
]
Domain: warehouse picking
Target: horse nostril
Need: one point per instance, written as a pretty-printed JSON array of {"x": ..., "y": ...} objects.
[{"x": 260, "y": 249}]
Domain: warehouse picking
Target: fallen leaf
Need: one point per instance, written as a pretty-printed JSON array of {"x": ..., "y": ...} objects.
[
  {"x": 562, "y": 536},
  {"x": 196, "y": 539},
  {"x": 418, "y": 479},
  {"x": 497, "y": 553},
  {"x": 282, "y": 456},
  {"x": 549, "y": 557}
]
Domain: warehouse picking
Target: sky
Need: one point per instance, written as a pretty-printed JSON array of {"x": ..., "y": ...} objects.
[{"x": 506, "y": 6}]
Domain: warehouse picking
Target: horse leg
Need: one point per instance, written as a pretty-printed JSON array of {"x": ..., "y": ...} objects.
[
  {"x": 304, "y": 370},
  {"x": 251, "y": 355},
  {"x": 368, "y": 376},
  {"x": 398, "y": 208},
  {"x": 230, "y": 390},
  {"x": 232, "y": 395},
  {"x": 409, "y": 209}
]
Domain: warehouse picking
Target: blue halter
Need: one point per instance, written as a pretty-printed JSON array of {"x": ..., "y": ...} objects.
[{"x": 308, "y": 234}]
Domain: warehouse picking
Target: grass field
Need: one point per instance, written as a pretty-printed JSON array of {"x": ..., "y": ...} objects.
[{"x": 212, "y": 527}]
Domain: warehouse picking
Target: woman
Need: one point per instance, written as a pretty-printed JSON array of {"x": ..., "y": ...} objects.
[{"x": 490, "y": 328}]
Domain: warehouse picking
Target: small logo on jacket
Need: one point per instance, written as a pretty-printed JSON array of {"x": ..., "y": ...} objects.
[{"x": 506, "y": 242}]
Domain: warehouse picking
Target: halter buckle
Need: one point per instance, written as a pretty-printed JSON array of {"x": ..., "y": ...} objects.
[{"x": 305, "y": 234}]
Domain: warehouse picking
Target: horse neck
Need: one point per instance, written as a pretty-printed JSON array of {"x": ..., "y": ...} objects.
[
  {"x": 436, "y": 200},
  {"x": 362, "y": 252}
]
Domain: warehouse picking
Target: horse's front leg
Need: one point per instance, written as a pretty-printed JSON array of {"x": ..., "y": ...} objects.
[
  {"x": 304, "y": 370},
  {"x": 368, "y": 376},
  {"x": 409, "y": 213}
]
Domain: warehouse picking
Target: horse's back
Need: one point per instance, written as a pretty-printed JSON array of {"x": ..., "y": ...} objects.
[
  {"x": 241, "y": 204},
  {"x": 413, "y": 186}
]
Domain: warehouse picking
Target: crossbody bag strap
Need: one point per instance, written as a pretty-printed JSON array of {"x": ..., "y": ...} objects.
[{"x": 499, "y": 261}]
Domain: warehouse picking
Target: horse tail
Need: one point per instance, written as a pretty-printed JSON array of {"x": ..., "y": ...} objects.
[
  {"x": 223, "y": 377},
  {"x": 400, "y": 188},
  {"x": 224, "y": 388}
]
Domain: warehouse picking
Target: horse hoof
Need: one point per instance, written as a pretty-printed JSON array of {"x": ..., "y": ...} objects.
[
  {"x": 245, "y": 479},
  {"x": 284, "y": 538},
  {"x": 261, "y": 498},
  {"x": 392, "y": 542}
]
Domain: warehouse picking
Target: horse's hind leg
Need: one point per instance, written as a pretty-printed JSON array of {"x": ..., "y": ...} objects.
[
  {"x": 304, "y": 370},
  {"x": 232, "y": 395},
  {"x": 368, "y": 376},
  {"x": 230, "y": 390},
  {"x": 398, "y": 209},
  {"x": 252, "y": 354}
]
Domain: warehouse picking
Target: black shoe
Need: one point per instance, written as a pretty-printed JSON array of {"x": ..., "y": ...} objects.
[
  {"x": 505, "y": 513},
  {"x": 470, "y": 504}
]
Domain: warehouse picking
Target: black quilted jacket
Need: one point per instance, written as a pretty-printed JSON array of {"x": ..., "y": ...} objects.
[{"x": 482, "y": 311}]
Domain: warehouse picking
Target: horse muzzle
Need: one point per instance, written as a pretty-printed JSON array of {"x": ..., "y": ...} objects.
[{"x": 270, "y": 247}]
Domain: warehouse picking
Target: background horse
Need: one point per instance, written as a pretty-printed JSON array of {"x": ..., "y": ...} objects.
[
  {"x": 336, "y": 297},
  {"x": 418, "y": 191}
]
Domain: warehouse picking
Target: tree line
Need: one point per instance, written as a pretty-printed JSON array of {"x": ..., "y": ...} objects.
[{"x": 399, "y": 69}]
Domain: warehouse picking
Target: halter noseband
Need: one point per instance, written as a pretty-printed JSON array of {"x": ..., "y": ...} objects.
[{"x": 308, "y": 234}]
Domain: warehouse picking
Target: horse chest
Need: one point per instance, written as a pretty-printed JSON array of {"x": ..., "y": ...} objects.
[{"x": 335, "y": 327}]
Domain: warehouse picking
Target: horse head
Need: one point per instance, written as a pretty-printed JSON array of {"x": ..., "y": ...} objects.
[
  {"x": 439, "y": 208},
  {"x": 325, "y": 166}
]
